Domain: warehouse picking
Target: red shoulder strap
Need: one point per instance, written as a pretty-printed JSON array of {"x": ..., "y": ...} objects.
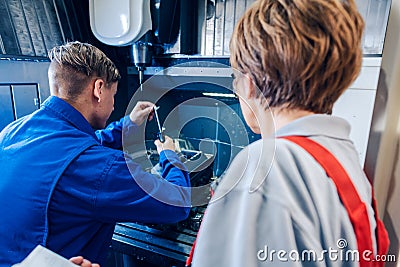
[{"x": 351, "y": 200}]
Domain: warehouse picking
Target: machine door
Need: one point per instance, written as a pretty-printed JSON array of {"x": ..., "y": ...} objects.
[
  {"x": 16, "y": 101},
  {"x": 25, "y": 99},
  {"x": 6, "y": 107}
]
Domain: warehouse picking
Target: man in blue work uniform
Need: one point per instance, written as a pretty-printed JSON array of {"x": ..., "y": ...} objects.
[{"x": 65, "y": 186}]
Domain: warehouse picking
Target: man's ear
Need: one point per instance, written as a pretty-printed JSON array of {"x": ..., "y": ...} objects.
[{"x": 97, "y": 89}]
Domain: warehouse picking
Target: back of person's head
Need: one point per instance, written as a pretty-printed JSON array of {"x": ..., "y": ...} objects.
[
  {"x": 301, "y": 54},
  {"x": 75, "y": 64}
]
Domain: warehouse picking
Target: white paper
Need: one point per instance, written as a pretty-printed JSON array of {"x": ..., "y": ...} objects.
[{"x": 43, "y": 257}]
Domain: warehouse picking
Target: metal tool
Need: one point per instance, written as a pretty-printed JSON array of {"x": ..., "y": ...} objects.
[
  {"x": 141, "y": 53},
  {"x": 160, "y": 133}
]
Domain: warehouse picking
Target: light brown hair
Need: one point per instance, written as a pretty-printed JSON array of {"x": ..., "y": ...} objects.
[
  {"x": 301, "y": 54},
  {"x": 74, "y": 64}
]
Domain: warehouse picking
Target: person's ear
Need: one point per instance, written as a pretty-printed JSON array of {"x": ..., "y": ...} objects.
[
  {"x": 251, "y": 88},
  {"x": 98, "y": 89}
]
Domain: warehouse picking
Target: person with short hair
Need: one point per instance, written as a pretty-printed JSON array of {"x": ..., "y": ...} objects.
[
  {"x": 277, "y": 203},
  {"x": 63, "y": 185}
]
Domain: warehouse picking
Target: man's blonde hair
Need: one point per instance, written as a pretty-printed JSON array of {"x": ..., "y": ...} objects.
[
  {"x": 301, "y": 54},
  {"x": 74, "y": 64}
]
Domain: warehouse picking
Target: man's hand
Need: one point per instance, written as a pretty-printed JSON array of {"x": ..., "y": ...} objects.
[
  {"x": 83, "y": 262},
  {"x": 140, "y": 112},
  {"x": 168, "y": 144}
]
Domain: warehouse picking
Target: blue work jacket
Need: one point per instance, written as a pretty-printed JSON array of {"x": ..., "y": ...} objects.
[{"x": 64, "y": 186}]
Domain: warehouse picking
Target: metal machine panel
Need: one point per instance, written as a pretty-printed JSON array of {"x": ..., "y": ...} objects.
[
  {"x": 25, "y": 98},
  {"x": 24, "y": 79},
  {"x": 220, "y": 16},
  {"x": 6, "y": 107},
  {"x": 368, "y": 78},
  {"x": 26, "y": 72}
]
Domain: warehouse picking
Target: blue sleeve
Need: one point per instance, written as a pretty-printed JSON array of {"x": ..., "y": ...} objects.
[
  {"x": 173, "y": 168},
  {"x": 111, "y": 136},
  {"x": 131, "y": 194}
]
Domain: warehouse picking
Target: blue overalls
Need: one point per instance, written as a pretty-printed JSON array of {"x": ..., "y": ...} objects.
[{"x": 63, "y": 187}]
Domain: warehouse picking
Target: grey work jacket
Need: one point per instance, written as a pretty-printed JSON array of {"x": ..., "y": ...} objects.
[{"x": 276, "y": 206}]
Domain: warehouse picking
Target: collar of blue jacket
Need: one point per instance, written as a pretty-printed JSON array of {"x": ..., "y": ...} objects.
[{"x": 62, "y": 108}]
